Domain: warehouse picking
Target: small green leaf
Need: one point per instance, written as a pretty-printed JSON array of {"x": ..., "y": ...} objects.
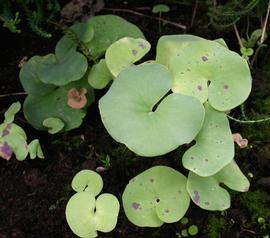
[
  {"x": 99, "y": 75},
  {"x": 184, "y": 220},
  {"x": 246, "y": 51},
  {"x": 35, "y": 150},
  {"x": 53, "y": 124},
  {"x": 89, "y": 181},
  {"x": 160, "y": 8},
  {"x": 193, "y": 230},
  {"x": 10, "y": 113},
  {"x": 124, "y": 52}
]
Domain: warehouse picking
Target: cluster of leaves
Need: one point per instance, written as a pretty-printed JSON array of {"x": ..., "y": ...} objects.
[
  {"x": 14, "y": 140},
  {"x": 36, "y": 13},
  {"x": 57, "y": 84}
]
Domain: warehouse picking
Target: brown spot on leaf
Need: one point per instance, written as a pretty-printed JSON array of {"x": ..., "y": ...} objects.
[
  {"x": 199, "y": 87},
  {"x": 226, "y": 86},
  {"x": 207, "y": 203},
  {"x": 6, "y": 130},
  {"x": 237, "y": 138},
  {"x": 204, "y": 58},
  {"x": 77, "y": 99},
  {"x": 141, "y": 45},
  {"x": 151, "y": 180},
  {"x": 135, "y": 205},
  {"x": 134, "y": 52},
  {"x": 5, "y": 151},
  {"x": 206, "y": 160},
  {"x": 196, "y": 197},
  {"x": 167, "y": 210}
]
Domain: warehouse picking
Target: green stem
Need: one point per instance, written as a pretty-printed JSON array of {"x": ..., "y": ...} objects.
[{"x": 249, "y": 121}]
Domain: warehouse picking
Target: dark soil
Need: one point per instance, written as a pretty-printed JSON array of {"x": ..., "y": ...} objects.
[{"x": 34, "y": 193}]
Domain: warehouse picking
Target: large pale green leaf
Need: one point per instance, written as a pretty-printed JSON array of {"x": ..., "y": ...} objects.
[
  {"x": 29, "y": 77},
  {"x": 87, "y": 180},
  {"x": 205, "y": 69},
  {"x": 83, "y": 31},
  {"x": 207, "y": 193},
  {"x": 54, "y": 105},
  {"x": 61, "y": 71},
  {"x": 11, "y": 128},
  {"x": 99, "y": 75},
  {"x": 128, "y": 113},
  {"x": 156, "y": 196},
  {"x": 124, "y": 52},
  {"x": 80, "y": 214},
  {"x": 214, "y": 147},
  {"x": 107, "y": 30}
]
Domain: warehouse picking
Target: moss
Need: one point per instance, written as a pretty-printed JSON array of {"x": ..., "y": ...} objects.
[
  {"x": 216, "y": 225},
  {"x": 256, "y": 203}
]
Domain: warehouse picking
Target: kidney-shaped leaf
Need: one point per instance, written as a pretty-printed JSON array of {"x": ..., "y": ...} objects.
[
  {"x": 205, "y": 69},
  {"x": 214, "y": 147},
  {"x": 87, "y": 180},
  {"x": 207, "y": 193},
  {"x": 53, "y": 124},
  {"x": 61, "y": 71},
  {"x": 128, "y": 113},
  {"x": 35, "y": 150},
  {"x": 107, "y": 30},
  {"x": 156, "y": 196},
  {"x": 124, "y": 52},
  {"x": 29, "y": 77},
  {"x": 38, "y": 108}
]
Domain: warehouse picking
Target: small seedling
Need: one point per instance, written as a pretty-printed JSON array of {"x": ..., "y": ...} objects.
[
  {"x": 87, "y": 214},
  {"x": 160, "y": 8}
]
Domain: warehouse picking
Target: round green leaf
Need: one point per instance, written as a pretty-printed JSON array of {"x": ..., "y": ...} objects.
[
  {"x": 107, "y": 30},
  {"x": 124, "y": 52},
  {"x": 29, "y": 77},
  {"x": 53, "y": 124},
  {"x": 87, "y": 180},
  {"x": 156, "y": 196},
  {"x": 38, "y": 108},
  {"x": 160, "y": 8},
  {"x": 35, "y": 150},
  {"x": 214, "y": 148},
  {"x": 128, "y": 113},
  {"x": 207, "y": 193},
  {"x": 205, "y": 69},
  {"x": 99, "y": 75},
  {"x": 84, "y": 32},
  {"x": 11, "y": 112},
  {"x": 107, "y": 209},
  {"x": 61, "y": 71},
  {"x": 193, "y": 230},
  {"x": 80, "y": 214},
  {"x": 246, "y": 51}
]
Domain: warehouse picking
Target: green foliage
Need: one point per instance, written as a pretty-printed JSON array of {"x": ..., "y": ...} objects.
[
  {"x": 87, "y": 214},
  {"x": 14, "y": 140},
  {"x": 156, "y": 196},
  {"x": 159, "y": 8},
  {"x": 57, "y": 84},
  {"x": 216, "y": 224},
  {"x": 35, "y": 12}
]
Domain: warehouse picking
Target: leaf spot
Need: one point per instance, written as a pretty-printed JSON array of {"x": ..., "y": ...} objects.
[
  {"x": 226, "y": 86},
  {"x": 151, "y": 180},
  {"x": 199, "y": 87},
  {"x": 207, "y": 203},
  {"x": 6, "y": 130},
  {"x": 204, "y": 58},
  {"x": 141, "y": 45},
  {"x": 166, "y": 210},
  {"x": 77, "y": 99},
  {"x": 196, "y": 197},
  {"x": 5, "y": 151},
  {"x": 135, "y": 205},
  {"x": 134, "y": 52}
]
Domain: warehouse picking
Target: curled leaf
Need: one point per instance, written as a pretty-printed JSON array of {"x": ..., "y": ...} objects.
[
  {"x": 242, "y": 143},
  {"x": 77, "y": 99}
]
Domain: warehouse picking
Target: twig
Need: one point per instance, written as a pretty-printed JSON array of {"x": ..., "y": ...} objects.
[
  {"x": 194, "y": 14},
  {"x": 150, "y": 17},
  {"x": 238, "y": 36},
  {"x": 249, "y": 121},
  {"x": 13, "y": 94},
  {"x": 265, "y": 23}
]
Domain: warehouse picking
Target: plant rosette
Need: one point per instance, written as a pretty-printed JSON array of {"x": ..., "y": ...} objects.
[
  {"x": 87, "y": 214},
  {"x": 13, "y": 139}
]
